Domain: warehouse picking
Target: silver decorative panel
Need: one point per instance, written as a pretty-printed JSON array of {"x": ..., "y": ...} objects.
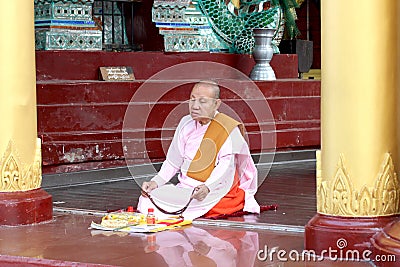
[
  {"x": 59, "y": 39},
  {"x": 61, "y": 10},
  {"x": 66, "y": 25}
]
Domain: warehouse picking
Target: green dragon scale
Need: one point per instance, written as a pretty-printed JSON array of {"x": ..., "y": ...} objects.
[{"x": 235, "y": 28}]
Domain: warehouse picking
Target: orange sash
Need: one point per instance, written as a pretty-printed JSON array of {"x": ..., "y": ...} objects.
[
  {"x": 204, "y": 162},
  {"x": 217, "y": 132}
]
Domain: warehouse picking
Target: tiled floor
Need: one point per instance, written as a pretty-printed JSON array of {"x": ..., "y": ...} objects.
[
  {"x": 244, "y": 241},
  {"x": 290, "y": 186}
]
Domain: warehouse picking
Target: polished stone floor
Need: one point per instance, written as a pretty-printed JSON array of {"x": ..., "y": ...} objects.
[
  {"x": 289, "y": 185},
  {"x": 252, "y": 240}
]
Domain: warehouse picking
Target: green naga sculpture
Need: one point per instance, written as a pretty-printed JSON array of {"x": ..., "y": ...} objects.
[
  {"x": 234, "y": 20},
  {"x": 221, "y": 25}
]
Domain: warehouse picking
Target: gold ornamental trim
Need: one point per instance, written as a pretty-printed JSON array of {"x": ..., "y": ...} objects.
[
  {"x": 16, "y": 176},
  {"x": 339, "y": 197}
]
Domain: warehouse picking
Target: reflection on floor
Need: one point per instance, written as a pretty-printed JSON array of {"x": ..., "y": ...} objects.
[{"x": 244, "y": 241}]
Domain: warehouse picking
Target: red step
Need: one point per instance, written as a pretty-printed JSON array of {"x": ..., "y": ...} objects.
[{"x": 81, "y": 123}]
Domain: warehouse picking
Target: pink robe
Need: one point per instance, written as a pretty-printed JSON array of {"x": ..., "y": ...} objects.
[{"x": 234, "y": 154}]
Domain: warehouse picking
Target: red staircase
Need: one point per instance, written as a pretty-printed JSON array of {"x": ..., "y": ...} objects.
[{"x": 80, "y": 119}]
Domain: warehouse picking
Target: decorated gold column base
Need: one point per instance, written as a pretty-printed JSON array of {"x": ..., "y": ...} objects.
[
  {"x": 339, "y": 196},
  {"x": 17, "y": 175},
  {"x": 386, "y": 245},
  {"x": 325, "y": 233},
  {"x": 27, "y": 207}
]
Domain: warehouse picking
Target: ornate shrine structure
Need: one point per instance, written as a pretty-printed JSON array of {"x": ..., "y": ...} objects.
[{"x": 66, "y": 25}]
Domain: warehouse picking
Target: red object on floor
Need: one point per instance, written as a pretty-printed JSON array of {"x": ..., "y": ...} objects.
[{"x": 170, "y": 223}]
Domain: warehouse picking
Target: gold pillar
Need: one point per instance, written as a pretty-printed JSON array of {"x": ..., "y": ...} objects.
[
  {"x": 359, "y": 156},
  {"x": 387, "y": 241},
  {"x": 20, "y": 160},
  {"x": 357, "y": 185},
  {"x": 22, "y": 201}
]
